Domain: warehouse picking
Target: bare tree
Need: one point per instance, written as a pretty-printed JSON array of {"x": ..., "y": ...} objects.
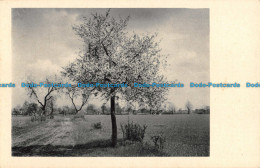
[
  {"x": 51, "y": 106},
  {"x": 42, "y": 95},
  {"x": 78, "y": 93},
  {"x": 188, "y": 105}
]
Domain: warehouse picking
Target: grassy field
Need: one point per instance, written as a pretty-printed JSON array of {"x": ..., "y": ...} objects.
[{"x": 186, "y": 135}]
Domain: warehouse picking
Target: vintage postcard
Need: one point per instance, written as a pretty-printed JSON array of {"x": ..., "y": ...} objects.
[{"x": 144, "y": 84}]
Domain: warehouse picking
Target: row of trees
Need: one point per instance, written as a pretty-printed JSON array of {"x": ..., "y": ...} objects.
[
  {"x": 30, "y": 109},
  {"x": 91, "y": 109},
  {"x": 33, "y": 109}
]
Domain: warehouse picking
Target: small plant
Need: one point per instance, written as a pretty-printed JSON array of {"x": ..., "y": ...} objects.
[
  {"x": 133, "y": 132},
  {"x": 33, "y": 118},
  {"x": 51, "y": 116},
  {"x": 97, "y": 125},
  {"x": 159, "y": 141}
]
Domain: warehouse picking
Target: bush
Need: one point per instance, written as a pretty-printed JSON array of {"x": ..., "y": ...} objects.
[
  {"x": 33, "y": 118},
  {"x": 97, "y": 125},
  {"x": 43, "y": 118},
  {"x": 133, "y": 132},
  {"x": 159, "y": 141},
  {"x": 51, "y": 116},
  {"x": 78, "y": 117},
  {"x": 38, "y": 118}
]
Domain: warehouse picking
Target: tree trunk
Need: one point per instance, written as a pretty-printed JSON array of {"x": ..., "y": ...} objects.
[
  {"x": 113, "y": 119},
  {"x": 76, "y": 111},
  {"x": 43, "y": 110}
]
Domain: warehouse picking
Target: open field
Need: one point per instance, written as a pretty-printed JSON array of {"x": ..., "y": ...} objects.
[{"x": 186, "y": 135}]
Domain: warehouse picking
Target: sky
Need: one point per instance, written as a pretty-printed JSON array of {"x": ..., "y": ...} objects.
[{"x": 43, "y": 42}]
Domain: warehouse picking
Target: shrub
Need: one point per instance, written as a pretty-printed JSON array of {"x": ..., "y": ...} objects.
[
  {"x": 33, "y": 118},
  {"x": 43, "y": 118},
  {"x": 38, "y": 118},
  {"x": 97, "y": 125},
  {"x": 133, "y": 132},
  {"x": 159, "y": 141},
  {"x": 51, "y": 116},
  {"x": 78, "y": 117}
]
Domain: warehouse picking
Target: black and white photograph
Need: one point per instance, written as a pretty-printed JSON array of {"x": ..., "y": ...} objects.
[{"x": 110, "y": 82}]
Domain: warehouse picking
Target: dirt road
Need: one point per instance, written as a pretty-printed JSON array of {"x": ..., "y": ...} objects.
[{"x": 55, "y": 132}]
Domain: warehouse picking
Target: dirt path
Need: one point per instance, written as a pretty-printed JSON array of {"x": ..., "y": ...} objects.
[
  {"x": 54, "y": 132},
  {"x": 63, "y": 135}
]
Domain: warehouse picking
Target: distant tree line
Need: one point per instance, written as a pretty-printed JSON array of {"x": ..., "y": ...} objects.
[{"x": 31, "y": 108}]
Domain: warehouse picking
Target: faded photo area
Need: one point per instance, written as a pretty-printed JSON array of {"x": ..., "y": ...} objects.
[{"x": 59, "y": 54}]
